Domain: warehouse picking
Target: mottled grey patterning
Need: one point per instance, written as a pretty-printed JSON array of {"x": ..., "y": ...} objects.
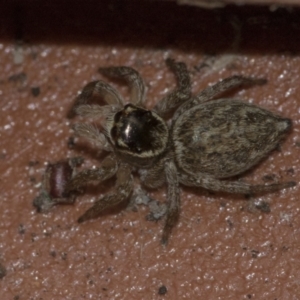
[{"x": 206, "y": 142}]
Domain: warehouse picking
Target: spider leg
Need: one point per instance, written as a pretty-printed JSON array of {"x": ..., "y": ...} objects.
[
  {"x": 227, "y": 84},
  {"x": 67, "y": 200},
  {"x": 173, "y": 199},
  {"x": 95, "y": 110},
  {"x": 123, "y": 189},
  {"x": 97, "y": 90},
  {"x": 132, "y": 78},
  {"x": 238, "y": 187},
  {"x": 213, "y": 91},
  {"x": 44, "y": 202},
  {"x": 108, "y": 169},
  {"x": 181, "y": 94},
  {"x": 92, "y": 134}
]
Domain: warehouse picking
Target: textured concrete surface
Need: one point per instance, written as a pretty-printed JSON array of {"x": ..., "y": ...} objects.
[{"x": 218, "y": 250}]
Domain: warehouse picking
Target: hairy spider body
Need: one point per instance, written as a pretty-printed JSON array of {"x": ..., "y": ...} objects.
[
  {"x": 205, "y": 142},
  {"x": 229, "y": 138}
]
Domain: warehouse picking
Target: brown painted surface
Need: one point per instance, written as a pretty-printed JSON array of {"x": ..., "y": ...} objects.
[{"x": 219, "y": 250}]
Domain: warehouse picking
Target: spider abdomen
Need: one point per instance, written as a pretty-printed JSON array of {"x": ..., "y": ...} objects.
[{"x": 225, "y": 137}]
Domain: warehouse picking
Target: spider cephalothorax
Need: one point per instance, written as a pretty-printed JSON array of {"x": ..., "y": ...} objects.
[
  {"x": 205, "y": 142},
  {"x": 139, "y": 135}
]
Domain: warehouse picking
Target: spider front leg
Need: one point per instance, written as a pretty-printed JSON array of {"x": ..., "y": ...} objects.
[
  {"x": 173, "y": 199},
  {"x": 123, "y": 189},
  {"x": 97, "y": 90},
  {"x": 92, "y": 134},
  {"x": 132, "y": 78},
  {"x": 181, "y": 94},
  {"x": 213, "y": 91},
  {"x": 238, "y": 187},
  {"x": 165, "y": 171},
  {"x": 108, "y": 169}
]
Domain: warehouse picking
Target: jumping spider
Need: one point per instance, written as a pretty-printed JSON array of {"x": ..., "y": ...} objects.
[{"x": 205, "y": 142}]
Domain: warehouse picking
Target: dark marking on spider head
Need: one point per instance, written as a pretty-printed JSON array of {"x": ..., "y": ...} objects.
[{"x": 139, "y": 132}]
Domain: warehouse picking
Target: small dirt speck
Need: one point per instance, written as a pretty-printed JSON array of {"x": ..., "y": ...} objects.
[
  {"x": 2, "y": 271},
  {"x": 162, "y": 290},
  {"x": 21, "y": 229},
  {"x": 35, "y": 91}
]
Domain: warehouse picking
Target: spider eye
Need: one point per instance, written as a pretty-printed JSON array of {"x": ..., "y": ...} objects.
[{"x": 138, "y": 130}]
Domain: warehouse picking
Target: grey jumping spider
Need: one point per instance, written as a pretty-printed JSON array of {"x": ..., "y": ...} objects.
[{"x": 205, "y": 142}]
